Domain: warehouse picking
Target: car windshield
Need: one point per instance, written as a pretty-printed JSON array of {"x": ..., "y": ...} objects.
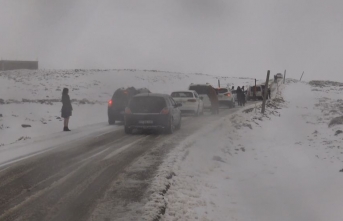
[
  {"x": 182, "y": 94},
  {"x": 221, "y": 90},
  {"x": 147, "y": 104}
]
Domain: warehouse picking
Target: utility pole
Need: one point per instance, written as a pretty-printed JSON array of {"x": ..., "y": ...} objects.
[
  {"x": 302, "y": 75},
  {"x": 218, "y": 83},
  {"x": 255, "y": 90},
  {"x": 265, "y": 93},
  {"x": 284, "y": 77}
]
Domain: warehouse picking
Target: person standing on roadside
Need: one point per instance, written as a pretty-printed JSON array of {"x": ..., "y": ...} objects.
[
  {"x": 66, "y": 108},
  {"x": 269, "y": 97},
  {"x": 239, "y": 96},
  {"x": 243, "y": 96}
]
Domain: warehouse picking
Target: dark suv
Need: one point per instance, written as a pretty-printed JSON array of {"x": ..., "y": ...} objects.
[
  {"x": 153, "y": 111},
  {"x": 119, "y": 101}
]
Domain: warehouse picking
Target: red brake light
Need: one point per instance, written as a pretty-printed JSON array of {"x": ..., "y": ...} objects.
[
  {"x": 128, "y": 111},
  {"x": 229, "y": 95},
  {"x": 110, "y": 102},
  {"x": 192, "y": 100},
  {"x": 165, "y": 111}
]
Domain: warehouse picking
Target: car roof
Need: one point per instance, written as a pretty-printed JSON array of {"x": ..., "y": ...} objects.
[
  {"x": 207, "y": 85},
  {"x": 192, "y": 91},
  {"x": 152, "y": 95}
]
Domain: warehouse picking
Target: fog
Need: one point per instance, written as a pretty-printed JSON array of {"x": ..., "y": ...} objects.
[{"x": 233, "y": 38}]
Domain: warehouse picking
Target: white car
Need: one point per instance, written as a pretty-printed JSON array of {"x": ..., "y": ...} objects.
[
  {"x": 190, "y": 100},
  {"x": 226, "y": 97},
  {"x": 258, "y": 91}
]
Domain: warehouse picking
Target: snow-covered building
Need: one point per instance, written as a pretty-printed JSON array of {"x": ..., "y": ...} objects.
[{"x": 6, "y": 65}]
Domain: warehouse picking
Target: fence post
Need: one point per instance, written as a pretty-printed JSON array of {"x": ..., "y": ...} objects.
[
  {"x": 255, "y": 90},
  {"x": 265, "y": 93},
  {"x": 284, "y": 77},
  {"x": 302, "y": 75}
]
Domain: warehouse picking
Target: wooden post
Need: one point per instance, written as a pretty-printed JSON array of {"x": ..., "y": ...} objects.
[
  {"x": 284, "y": 77},
  {"x": 302, "y": 75},
  {"x": 218, "y": 83},
  {"x": 265, "y": 93},
  {"x": 255, "y": 90}
]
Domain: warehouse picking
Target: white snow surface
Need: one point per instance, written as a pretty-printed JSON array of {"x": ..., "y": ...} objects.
[
  {"x": 33, "y": 97},
  {"x": 284, "y": 165}
]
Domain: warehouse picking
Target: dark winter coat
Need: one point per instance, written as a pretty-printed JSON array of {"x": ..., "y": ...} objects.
[
  {"x": 239, "y": 94},
  {"x": 66, "y": 107}
]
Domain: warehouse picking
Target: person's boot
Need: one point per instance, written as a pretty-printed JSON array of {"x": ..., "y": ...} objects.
[{"x": 66, "y": 129}]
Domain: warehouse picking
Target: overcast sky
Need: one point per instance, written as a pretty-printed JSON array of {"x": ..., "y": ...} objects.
[{"x": 232, "y": 37}]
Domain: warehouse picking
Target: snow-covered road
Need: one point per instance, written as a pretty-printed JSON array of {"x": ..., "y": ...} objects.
[{"x": 103, "y": 175}]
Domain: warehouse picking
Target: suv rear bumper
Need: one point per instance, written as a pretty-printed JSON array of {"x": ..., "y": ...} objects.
[{"x": 159, "y": 121}]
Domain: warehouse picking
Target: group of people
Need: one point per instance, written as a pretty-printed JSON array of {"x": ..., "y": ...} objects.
[{"x": 240, "y": 95}]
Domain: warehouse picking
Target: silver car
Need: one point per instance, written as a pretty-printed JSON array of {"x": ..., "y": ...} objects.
[{"x": 225, "y": 97}]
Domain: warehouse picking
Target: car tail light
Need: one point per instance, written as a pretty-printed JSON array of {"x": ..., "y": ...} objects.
[
  {"x": 229, "y": 95},
  {"x": 110, "y": 102},
  {"x": 165, "y": 111},
  {"x": 192, "y": 100},
  {"x": 128, "y": 111}
]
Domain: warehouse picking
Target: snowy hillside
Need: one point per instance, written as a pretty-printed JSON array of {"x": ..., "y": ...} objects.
[
  {"x": 33, "y": 96},
  {"x": 284, "y": 165}
]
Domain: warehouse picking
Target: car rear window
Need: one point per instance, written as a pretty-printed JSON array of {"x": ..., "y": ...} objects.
[
  {"x": 221, "y": 90},
  {"x": 200, "y": 89},
  {"x": 147, "y": 104},
  {"x": 182, "y": 94}
]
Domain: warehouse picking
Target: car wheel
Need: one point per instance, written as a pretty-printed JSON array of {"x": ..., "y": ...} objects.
[
  {"x": 128, "y": 130},
  {"x": 178, "y": 127},
  {"x": 111, "y": 121},
  {"x": 171, "y": 127},
  {"x": 196, "y": 113}
]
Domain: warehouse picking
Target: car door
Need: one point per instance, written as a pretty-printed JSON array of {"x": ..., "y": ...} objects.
[{"x": 175, "y": 111}]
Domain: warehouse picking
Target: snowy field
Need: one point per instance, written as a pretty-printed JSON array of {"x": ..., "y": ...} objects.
[
  {"x": 284, "y": 165},
  {"x": 32, "y": 97}
]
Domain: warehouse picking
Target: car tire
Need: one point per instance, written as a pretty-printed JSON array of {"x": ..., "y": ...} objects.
[
  {"x": 128, "y": 130},
  {"x": 170, "y": 129},
  {"x": 178, "y": 127},
  {"x": 111, "y": 121},
  {"x": 196, "y": 113}
]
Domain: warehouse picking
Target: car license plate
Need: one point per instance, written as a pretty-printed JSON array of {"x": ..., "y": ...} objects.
[
  {"x": 221, "y": 96},
  {"x": 145, "y": 122}
]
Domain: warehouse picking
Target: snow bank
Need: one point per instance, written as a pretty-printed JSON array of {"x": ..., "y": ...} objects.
[{"x": 283, "y": 165}]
